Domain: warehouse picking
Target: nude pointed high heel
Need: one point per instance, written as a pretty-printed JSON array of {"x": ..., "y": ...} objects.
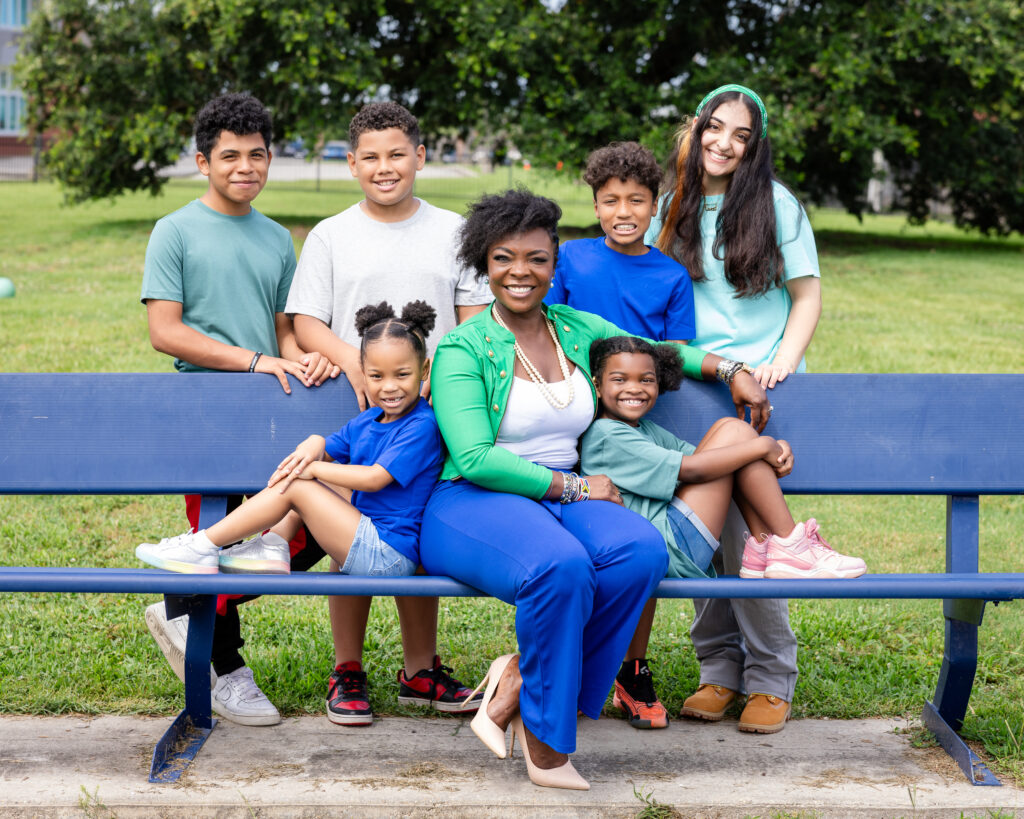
[
  {"x": 564, "y": 776},
  {"x": 483, "y": 726}
]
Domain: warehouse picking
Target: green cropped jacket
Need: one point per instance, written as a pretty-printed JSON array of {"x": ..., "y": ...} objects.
[{"x": 471, "y": 380}]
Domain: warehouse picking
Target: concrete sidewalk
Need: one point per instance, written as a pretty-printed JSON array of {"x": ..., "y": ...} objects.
[{"x": 307, "y": 767}]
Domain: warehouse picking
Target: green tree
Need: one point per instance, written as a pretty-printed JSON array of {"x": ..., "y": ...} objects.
[{"x": 936, "y": 86}]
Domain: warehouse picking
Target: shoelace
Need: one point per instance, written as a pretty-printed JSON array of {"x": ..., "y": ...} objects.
[
  {"x": 350, "y": 682},
  {"x": 441, "y": 675}
]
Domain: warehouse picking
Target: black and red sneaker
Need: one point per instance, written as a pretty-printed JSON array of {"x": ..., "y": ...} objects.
[
  {"x": 348, "y": 701},
  {"x": 436, "y": 688}
]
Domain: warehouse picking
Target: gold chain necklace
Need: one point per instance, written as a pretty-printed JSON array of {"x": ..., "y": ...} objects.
[{"x": 534, "y": 373}]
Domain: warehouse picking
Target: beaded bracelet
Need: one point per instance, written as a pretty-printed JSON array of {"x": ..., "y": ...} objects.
[
  {"x": 574, "y": 488},
  {"x": 727, "y": 369}
]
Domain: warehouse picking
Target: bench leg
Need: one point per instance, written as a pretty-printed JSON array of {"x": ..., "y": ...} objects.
[
  {"x": 182, "y": 741},
  {"x": 944, "y": 717}
]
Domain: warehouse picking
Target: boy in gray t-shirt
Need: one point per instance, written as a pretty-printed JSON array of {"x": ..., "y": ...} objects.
[{"x": 391, "y": 247}]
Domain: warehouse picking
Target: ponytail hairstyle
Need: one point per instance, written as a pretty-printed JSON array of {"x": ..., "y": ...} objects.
[
  {"x": 745, "y": 236},
  {"x": 667, "y": 366},
  {"x": 377, "y": 321}
]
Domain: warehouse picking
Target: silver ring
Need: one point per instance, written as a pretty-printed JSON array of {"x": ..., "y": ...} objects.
[{"x": 771, "y": 408}]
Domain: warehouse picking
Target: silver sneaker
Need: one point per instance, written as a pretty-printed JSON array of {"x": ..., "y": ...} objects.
[
  {"x": 190, "y": 553},
  {"x": 170, "y": 635},
  {"x": 262, "y": 554},
  {"x": 237, "y": 697}
]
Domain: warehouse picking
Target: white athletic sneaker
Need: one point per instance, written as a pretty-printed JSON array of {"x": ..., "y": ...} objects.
[
  {"x": 190, "y": 553},
  {"x": 170, "y": 635},
  {"x": 237, "y": 697},
  {"x": 262, "y": 554}
]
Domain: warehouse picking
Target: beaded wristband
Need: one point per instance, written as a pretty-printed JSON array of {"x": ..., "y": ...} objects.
[{"x": 574, "y": 488}]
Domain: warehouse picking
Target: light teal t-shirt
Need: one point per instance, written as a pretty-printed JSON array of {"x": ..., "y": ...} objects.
[
  {"x": 643, "y": 462},
  {"x": 748, "y": 329},
  {"x": 230, "y": 273}
]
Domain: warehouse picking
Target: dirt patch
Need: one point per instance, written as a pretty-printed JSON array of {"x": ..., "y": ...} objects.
[{"x": 422, "y": 775}]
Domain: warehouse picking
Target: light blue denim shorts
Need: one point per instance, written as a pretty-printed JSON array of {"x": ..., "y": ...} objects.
[
  {"x": 692, "y": 537},
  {"x": 369, "y": 556}
]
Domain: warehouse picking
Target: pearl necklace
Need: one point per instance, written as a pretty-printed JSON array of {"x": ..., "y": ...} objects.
[{"x": 534, "y": 373}]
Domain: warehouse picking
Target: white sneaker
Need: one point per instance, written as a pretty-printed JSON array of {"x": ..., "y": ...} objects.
[
  {"x": 237, "y": 697},
  {"x": 190, "y": 553},
  {"x": 170, "y": 635},
  {"x": 262, "y": 554}
]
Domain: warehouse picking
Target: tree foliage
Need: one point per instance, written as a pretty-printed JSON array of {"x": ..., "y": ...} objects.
[{"x": 936, "y": 86}]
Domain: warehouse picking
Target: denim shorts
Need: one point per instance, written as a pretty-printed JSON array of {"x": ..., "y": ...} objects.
[
  {"x": 369, "y": 556},
  {"x": 693, "y": 538}
]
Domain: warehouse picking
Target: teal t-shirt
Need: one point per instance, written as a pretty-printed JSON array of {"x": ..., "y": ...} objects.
[
  {"x": 231, "y": 274},
  {"x": 748, "y": 329},
  {"x": 643, "y": 462}
]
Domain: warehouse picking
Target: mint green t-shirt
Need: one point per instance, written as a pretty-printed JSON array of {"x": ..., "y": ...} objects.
[
  {"x": 231, "y": 274},
  {"x": 748, "y": 329},
  {"x": 643, "y": 462}
]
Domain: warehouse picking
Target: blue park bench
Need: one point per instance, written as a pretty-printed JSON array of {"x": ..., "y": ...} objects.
[{"x": 221, "y": 434}]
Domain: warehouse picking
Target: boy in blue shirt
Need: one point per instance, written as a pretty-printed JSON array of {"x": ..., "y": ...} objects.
[{"x": 616, "y": 275}]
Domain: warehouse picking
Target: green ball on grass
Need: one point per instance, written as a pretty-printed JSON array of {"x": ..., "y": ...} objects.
[{"x": 6, "y": 288}]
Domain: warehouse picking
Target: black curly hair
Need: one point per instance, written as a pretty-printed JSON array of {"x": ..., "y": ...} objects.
[
  {"x": 379, "y": 116},
  {"x": 497, "y": 216},
  {"x": 377, "y": 321},
  {"x": 625, "y": 161},
  {"x": 240, "y": 114},
  {"x": 667, "y": 366}
]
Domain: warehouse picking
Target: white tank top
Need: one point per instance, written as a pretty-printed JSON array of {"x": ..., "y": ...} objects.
[{"x": 536, "y": 431}]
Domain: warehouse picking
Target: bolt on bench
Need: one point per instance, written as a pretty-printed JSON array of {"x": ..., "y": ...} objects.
[{"x": 222, "y": 434}]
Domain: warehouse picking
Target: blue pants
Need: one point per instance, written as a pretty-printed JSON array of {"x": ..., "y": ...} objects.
[{"x": 578, "y": 575}]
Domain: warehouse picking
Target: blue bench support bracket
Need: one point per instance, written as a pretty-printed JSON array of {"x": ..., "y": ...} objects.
[{"x": 944, "y": 716}]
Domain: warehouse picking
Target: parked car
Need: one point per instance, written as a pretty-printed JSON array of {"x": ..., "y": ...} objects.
[
  {"x": 294, "y": 148},
  {"x": 335, "y": 149}
]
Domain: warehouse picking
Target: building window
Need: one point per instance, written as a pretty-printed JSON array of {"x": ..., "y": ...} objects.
[
  {"x": 14, "y": 13},
  {"x": 12, "y": 105}
]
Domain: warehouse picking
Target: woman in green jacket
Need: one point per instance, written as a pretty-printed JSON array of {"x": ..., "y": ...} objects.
[{"x": 512, "y": 394}]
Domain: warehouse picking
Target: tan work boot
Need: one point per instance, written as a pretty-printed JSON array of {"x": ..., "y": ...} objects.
[
  {"x": 764, "y": 714},
  {"x": 708, "y": 702}
]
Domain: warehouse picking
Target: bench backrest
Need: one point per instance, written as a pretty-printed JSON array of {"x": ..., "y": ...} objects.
[{"x": 223, "y": 433}]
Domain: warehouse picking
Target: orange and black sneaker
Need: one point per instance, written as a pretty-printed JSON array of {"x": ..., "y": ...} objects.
[
  {"x": 634, "y": 694},
  {"x": 435, "y": 688}
]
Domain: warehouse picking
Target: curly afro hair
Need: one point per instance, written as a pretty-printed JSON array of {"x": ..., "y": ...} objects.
[
  {"x": 240, "y": 114},
  {"x": 376, "y": 321},
  {"x": 498, "y": 216},
  {"x": 667, "y": 364},
  {"x": 625, "y": 161},
  {"x": 379, "y": 116}
]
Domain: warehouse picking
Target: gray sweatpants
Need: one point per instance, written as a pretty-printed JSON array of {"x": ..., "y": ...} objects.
[{"x": 745, "y": 645}]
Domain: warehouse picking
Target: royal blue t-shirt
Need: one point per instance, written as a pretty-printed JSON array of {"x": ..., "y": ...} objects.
[
  {"x": 650, "y": 295},
  {"x": 410, "y": 450}
]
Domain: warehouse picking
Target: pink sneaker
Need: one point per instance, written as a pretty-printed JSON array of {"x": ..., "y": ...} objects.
[
  {"x": 805, "y": 554},
  {"x": 755, "y": 557}
]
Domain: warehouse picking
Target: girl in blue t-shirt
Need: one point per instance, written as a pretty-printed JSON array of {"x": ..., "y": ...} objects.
[
  {"x": 686, "y": 491},
  {"x": 362, "y": 491}
]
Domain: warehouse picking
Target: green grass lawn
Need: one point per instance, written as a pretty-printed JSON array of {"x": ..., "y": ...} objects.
[{"x": 897, "y": 299}]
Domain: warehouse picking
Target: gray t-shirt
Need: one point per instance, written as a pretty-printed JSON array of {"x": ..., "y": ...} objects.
[
  {"x": 230, "y": 273},
  {"x": 351, "y": 260}
]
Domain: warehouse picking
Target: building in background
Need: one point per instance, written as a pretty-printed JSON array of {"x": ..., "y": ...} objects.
[{"x": 13, "y": 142}]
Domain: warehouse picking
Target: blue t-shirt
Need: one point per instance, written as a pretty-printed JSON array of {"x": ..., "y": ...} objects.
[
  {"x": 410, "y": 450},
  {"x": 649, "y": 295}
]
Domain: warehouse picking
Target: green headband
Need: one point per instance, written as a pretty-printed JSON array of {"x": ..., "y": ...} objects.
[{"x": 742, "y": 90}]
